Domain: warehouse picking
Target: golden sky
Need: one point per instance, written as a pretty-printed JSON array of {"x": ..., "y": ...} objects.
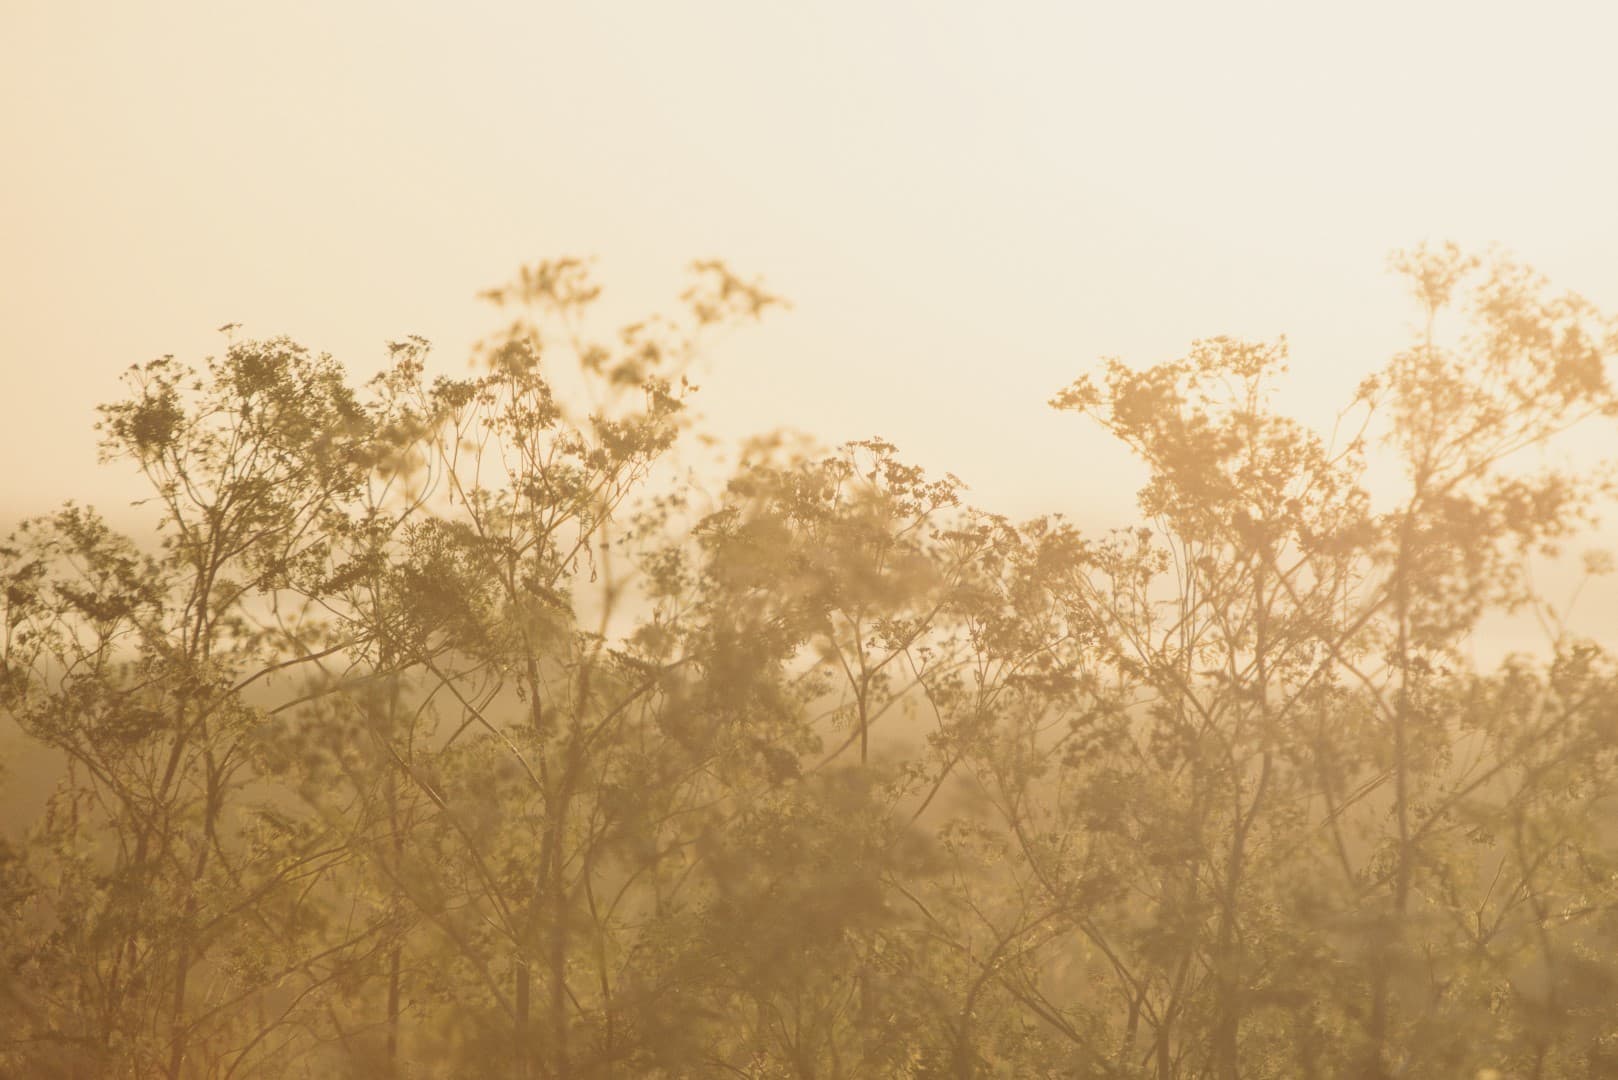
[{"x": 968, "y": 203}]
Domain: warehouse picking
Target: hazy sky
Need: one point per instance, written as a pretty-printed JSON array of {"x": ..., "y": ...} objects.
[{"x": 968, "y": 203}]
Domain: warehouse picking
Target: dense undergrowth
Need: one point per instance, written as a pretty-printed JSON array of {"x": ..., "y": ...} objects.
[{"x": 439, "y": 733}]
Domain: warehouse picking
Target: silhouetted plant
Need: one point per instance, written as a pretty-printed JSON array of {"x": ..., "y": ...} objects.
[{"x": 440, "y": 730}]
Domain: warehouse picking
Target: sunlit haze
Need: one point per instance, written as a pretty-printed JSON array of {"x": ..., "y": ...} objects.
[
  {"x": 967, "y": 204},
  {"x": 1047, "y": 707}
]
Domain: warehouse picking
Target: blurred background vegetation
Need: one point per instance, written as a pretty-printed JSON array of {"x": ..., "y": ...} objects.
[{"x": 441, "y": 727}]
